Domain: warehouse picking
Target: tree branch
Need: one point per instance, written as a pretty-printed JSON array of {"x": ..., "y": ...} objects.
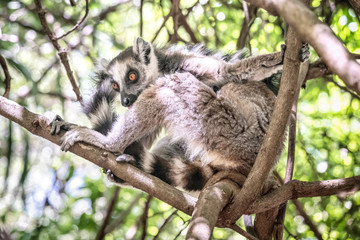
[
  {"x": 298, "y": 189},
  {"x": 319, "y": 36},
  {"x": 356, "y": 6},
  {"x": 164, "y": 224},
  {"x": 141, "y": 17},
  {"x": 77, "y": 24},
  {"x": 115, "y": 224},
  {"x": 211, "y": 201},
  {"x": 144, "y": 216},
  {"x": 39, "y": 125},
  {"x": 7, "y": 79},
  {"x": 163, "y": 24},
  {"x": 101, "y": 233},
  {"x": 270, "y": 149},
  {"x": 304, "y": 67},
  {"x": 307, "y": 219},
  {"x": 246, "y": 25},
  {"x": 62, "y": 52}
]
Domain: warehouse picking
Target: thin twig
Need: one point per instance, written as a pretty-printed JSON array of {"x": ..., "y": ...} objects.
[
  {"x": 103, "y": 14},
  {"x": 144, "y": 217},
  {"x": 101, "y": 233},
  {"x": 62, "y": 52},
  {"x": 123, "y": 215},
  {"x": 73, "y": 3},
  {"x": 241, "y": 231},
  {"x": 307, "y": 219},
  {"x": 345, "y": 89},
  {"x": 188, "y": 29},
  {"x": 162, "y": 25},
  {"x": 175, "y": 6},
  {"x": 7, "y": 79},
  {"x": 181, "y": 230},
  {"x": 78, "y": 23},
  {"x": 164, "y": 224},
  {"x": 250, "y": 14},
  {"x": 141, "y": 17}
]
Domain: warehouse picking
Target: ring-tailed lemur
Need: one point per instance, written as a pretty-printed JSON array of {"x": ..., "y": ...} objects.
[{"x": 208, "y": 130}]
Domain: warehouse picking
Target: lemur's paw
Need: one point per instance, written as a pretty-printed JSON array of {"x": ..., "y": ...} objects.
[
  {"x": 304, "y": 52},
  {"x": 126, "y": 158},
  {"x": 70, "y": 138},
  {"x": 58, "y": 124},
  {"x": 111, "y": 177}
]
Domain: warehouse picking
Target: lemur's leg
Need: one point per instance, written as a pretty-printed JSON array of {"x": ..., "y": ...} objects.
[{"x": 169, "y": 162}]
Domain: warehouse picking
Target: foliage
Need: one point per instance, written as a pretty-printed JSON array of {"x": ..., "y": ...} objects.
[{"x": 46, "y": 194}]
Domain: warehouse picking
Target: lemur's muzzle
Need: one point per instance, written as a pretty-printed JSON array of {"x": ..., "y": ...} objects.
[{"x": 128, "y": 99}]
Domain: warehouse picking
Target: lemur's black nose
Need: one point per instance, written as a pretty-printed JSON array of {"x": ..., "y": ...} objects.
[{"x": 125, "y": 101}]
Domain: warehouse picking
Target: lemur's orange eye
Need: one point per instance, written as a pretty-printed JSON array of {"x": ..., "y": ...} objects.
[
  {"x": 115, "y": 86},
  {"x": 132, "y": 76}
]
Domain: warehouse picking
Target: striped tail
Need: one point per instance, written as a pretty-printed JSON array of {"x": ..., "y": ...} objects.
[{"x": 99, "y": 108}]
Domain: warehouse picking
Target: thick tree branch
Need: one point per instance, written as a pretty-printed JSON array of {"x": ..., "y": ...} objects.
[
  {"x": 269, "y": 151},
  {"x": 211, "y": 201},
  {"x": 319, "y": 36},
  {"x": 298, "y": 189},
  {"x": 356, "y": 6},
  {"x": 39, "y": 125},
  {"x": 304, "y": 67}
]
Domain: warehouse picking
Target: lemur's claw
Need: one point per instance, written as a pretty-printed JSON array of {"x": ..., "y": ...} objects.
[
  {"x": 111, "y": 177},
  {"x": 58, "y": 124}
]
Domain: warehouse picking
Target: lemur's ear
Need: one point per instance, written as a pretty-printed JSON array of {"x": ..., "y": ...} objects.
[{"x": 142, "y": 50}]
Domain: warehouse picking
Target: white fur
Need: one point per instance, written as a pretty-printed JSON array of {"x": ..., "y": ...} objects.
[{"x": 118, "y": 73}]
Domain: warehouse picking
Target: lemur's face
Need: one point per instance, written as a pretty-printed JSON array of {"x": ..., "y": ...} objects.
[{"x": 133, "y": 70}]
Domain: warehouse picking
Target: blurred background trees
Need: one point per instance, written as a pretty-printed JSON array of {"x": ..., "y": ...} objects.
[{"x": 46, "y": 194}]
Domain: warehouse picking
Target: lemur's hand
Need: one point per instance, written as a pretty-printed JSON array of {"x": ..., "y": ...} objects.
[
  {"x": 58, "y": 124},
  {"x": 113, "y": 178},
  {"x": 74, "y": 135}
]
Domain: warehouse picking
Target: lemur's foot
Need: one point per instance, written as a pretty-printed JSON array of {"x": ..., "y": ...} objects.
[
  {"x": 123, "y": 158},
  {"x": 304, "y": 52},
  {"x": 126, "y": 158},
  {"x": 111, "y": 177},
  {"x": 58, "y": 124}
]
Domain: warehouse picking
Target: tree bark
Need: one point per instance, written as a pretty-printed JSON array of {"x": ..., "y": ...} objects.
[{"x": 319, "y": 36}]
